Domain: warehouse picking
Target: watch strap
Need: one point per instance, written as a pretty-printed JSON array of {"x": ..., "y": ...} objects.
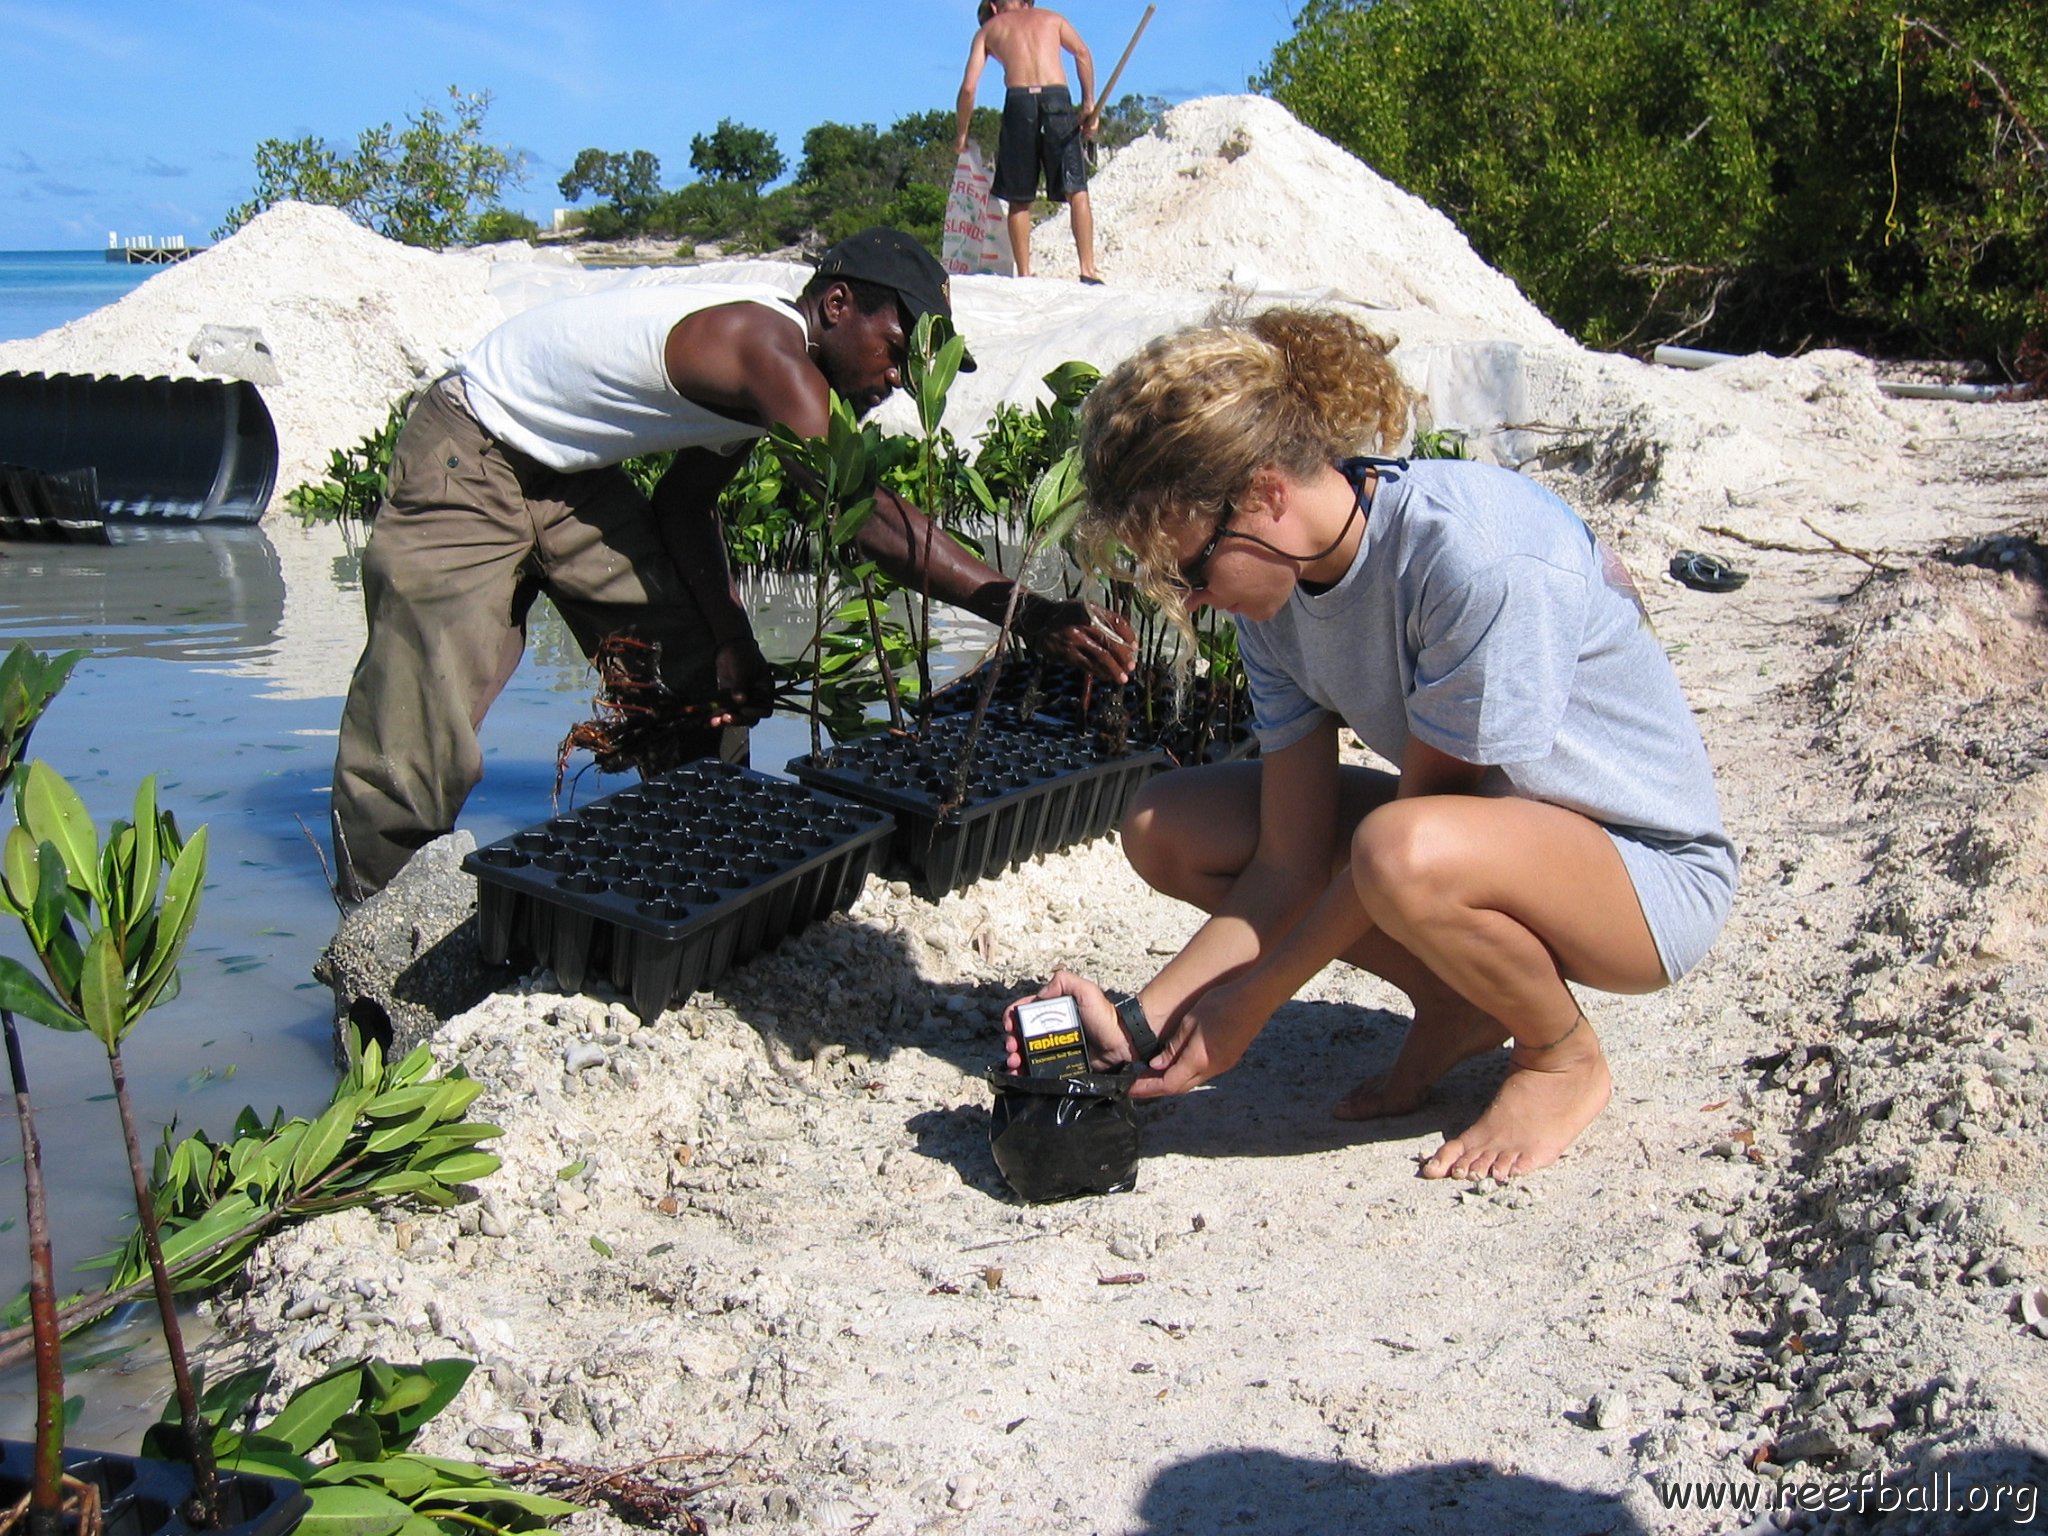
[{"x": 1131, "y": 1014}]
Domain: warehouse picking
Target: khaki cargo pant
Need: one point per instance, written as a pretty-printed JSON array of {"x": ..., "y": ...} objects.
[{"x": 469, "y": 533}]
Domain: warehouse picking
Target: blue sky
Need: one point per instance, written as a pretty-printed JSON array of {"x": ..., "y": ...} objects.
[{"x": 140, "y": 116}]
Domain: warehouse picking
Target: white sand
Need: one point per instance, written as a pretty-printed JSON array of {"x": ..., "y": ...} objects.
[{"x": 1797, "y": 1239}]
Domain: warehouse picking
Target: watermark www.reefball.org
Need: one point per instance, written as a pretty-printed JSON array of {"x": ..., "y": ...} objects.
[{"x": 1939, "y": 1493}]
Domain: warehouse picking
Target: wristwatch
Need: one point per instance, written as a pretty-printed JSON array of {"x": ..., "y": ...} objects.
[{"x": 1131, "y": 1014}]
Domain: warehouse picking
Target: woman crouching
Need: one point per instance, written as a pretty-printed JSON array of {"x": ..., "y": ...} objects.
[{"x": 1553, "y": 819}]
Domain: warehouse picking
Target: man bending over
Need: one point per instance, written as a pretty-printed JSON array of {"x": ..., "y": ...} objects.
[{"x": 505, "y": 483}]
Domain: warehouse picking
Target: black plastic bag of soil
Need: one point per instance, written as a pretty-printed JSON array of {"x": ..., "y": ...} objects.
[{"x": 1055, "y": 1138}]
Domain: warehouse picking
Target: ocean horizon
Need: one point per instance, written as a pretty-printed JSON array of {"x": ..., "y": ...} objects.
[{"x": 40, "y": 290}]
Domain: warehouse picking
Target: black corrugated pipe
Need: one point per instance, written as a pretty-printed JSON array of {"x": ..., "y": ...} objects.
[{"x": 187, "y": 450}]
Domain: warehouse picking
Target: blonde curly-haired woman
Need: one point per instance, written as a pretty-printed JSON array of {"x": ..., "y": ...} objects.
[{"x": 1553, "y": 819}]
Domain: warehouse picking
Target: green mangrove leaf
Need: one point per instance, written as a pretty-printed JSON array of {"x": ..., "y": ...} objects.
[
  {"x": 456, "y": 1095},
  {"x": 19, "y": 876},
  {"x": 325, "y": 1140},
  {"x": 222, "y": 1219},
  {"x": 117, "y": 857},
  {"x": 1056, "y": 500},
  {"x": 103, "y": 990},
  {"x": 983, "y": 496},
  {"x": 23, "y": 992},
  {"x": 392, "y": 1474},
  {"x": 276, "y": 1154},
  {"x": 397, "y": 1134},
  {"x": 507, "y": 1498},
  {"x": 49, "y": 912},
  {"x": 356, "y": 1435},
  {"x": 51, "y": 810},
  {"x": 148, "y": 860},
  {"x": 1071, "y": 382},
  {"x": 180, "y": 911},
  {"x": 455, "y": 1474},
  {"x": 348, "y": 1510},
  {"x": 223, "y": 1401},
  {"x": 408, "y": 1391},
  {"x": 265, "y": 1461},
  {"x": 308, "y": 1417},
  {"x": 466, "y": 1134},
  {"x": 406, "y": 1181},
  {"x": 464, "y": 1167},
  {"x": 447, "y": 1376},
  {"x": 852, "y": 520},
  {"x": 402, "y": 1103},
  {"x": 417, "y": 1064}
]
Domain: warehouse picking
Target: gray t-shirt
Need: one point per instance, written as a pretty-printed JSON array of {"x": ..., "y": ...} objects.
[{"x": 1484, "y": 618}]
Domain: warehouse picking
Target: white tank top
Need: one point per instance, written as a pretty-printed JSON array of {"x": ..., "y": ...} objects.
[{"x": 583, "y": 382}]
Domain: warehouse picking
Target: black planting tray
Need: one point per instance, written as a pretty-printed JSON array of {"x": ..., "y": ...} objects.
[
  {"x": 667, "y": 884},
  {"x": 1059, "y": 699},
  {"x": 1031, "y": 790},
  {"x": 141, "y": 1497}
]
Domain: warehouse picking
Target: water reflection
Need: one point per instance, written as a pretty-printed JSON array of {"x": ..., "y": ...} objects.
[{"x": 176, "y": 594}]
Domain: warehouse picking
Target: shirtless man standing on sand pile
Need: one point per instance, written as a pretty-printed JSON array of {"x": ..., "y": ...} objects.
[{"x": 1041, "y": 130}]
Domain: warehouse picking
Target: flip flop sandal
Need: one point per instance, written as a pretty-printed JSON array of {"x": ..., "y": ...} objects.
[{"x": 1705, "y": 573}]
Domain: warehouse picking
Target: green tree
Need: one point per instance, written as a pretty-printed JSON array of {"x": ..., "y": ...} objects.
[
  {"x": 734, "y": 153},
  {"x": 502, "y": 224},
  {"x": 630, "y": 184},
  {"x": 1719, "y": 170},
  {"x": 1128, "y": 117},
  {"x": 427, "y": 184}
]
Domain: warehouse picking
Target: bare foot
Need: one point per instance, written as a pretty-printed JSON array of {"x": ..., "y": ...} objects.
[
  {"x": 1436, "y": 1042},
  {"x": 1548, "y": 1098}
]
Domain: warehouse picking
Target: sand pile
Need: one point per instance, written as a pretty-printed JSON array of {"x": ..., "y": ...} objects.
[{"x": 1234, "y": 191}]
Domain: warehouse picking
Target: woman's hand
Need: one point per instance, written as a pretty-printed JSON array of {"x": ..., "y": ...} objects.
[
  {"x": 1210, "y": 1039},
  {"x": 1108, "y": 1047}
]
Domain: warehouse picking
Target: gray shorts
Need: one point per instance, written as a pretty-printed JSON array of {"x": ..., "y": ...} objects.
[{"x": 1685, "y": 890}]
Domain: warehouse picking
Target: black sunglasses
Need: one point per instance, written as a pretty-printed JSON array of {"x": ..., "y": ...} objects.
[{"x": 1194, "y": 571}]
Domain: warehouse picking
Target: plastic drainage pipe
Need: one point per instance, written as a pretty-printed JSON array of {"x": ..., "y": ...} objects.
[
  {"x": 1898, "y": 389},
  {"x": 194, "y": 450}
]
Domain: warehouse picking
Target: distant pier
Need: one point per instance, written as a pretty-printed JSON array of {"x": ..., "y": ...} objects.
[{"x": 149, "y": 250}]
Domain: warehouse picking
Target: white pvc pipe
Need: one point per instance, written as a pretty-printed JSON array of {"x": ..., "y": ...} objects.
[
  {"x": 1689, "y": 357},
  {"x": 1900, "y": 390},
  {"x": 1698, "y": 357}
]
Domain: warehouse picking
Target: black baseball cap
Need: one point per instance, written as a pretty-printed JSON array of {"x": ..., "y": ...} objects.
[{"x": 894, "y": 260}]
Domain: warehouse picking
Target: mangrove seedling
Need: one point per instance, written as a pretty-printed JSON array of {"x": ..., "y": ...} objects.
[
  {"x": 834, "y": 480},
  {"x": 941, "y": 472},
  {"x": 135, "y": 900},
  {"x": 28, "y": 681}
]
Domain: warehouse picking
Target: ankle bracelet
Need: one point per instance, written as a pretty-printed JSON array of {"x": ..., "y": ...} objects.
[{"x": 1553, "y": 1045}]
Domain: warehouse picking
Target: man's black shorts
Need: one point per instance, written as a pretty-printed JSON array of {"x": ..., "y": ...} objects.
[{"x": 1041, "y": 132}]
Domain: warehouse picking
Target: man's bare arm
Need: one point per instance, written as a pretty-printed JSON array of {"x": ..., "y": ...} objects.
[
  {"x": 1084, "y": 66},
  {"x": 977, "y": 60},
  {"x": 686, "y": 512}
]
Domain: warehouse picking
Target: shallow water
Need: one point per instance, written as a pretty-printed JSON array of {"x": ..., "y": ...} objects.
[
  {"x": 218, "y": 659},
  {"x": 43, "y": 289}
]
